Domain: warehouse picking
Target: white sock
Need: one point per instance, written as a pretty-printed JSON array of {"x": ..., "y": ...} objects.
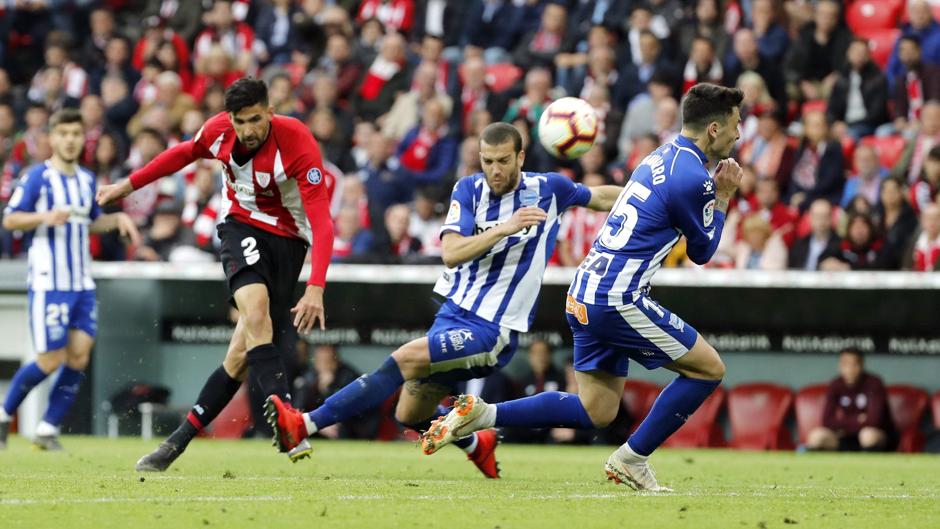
[
  {"x": 487, "y": 418},
  {"x": 45, "y": 429},
  {"x": 625, "y": 447},
  {"x": 3, "y": 415},
  {"x": 311, "y": 427},
  {"x": 473, "y": 445}
]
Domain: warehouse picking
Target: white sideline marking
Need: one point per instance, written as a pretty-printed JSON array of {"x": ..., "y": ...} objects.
[{"x": 157, "y": 499}]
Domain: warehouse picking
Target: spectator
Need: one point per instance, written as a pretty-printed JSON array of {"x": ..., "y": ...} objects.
[
  {"x": 746, "y": 57},
  {"x": 183, "y": 18},
  {"x": 396, "y": 15},
  {"x": 425, "y": 223},
  {"x": 818, "y": 171},
  {"x": 541, "y": 376},
  {"x": 769, "y": 152},
  {"x": 856, "y": 415},
  {"x": 818, "y": 53},
  {"x": 909, "y": 166},
  {"x": 579, "y": 227},
  {"x": 214, "y": 68},
  {"x": 116, "y": 61},
  {"x": 768, "y": 206},
  {"x": 868, "y": 175},
  {"x": 156, "y": 33},
  {"x": 667, "y": 122},
  {"x": 469, "y": 162},
  {"x": 92, "y": 111},
  {"x": 428, "y": 152},
  {"x": 237, "y": 39},
  {"x": 276, "y": 37},
  {"x": 822, "y": 240},
  {"x": 706, "y": 21},
  {"x": 281, "y": 96},
  {"x": 539, "y": 47},
  {"x": 101, "y": 31},
  {"x": 328, "y": 375},
  {"x": 860, "y": 250},
  {"x": 323, "y": 95},
  {"x": 896, "y": 221},
  {"x": 925, "y": 33},
  {"x": 408, "y": 108},
  {"x": 637, "y": 74},
  {"x": 917, "y": 83},
  {"x": 474, "y": 94},
  {"x": 119, "y": 105},
  {"x": 529, "y": 107},
  {"x": 609, "y": 120},
  {"x": 74, "y": 78},
  {"x": 333, "y": 144},
  {"x": 492, "y": 29},
  {"x": 386, "y": 78},
  {"x": 352, "y": 241},
  {"x": 570, "y": 67},
  {"x": 170, "y": 100},
  {"x": 397, "y": 245},
  {"x": 166, "y": 234},
  {"x": 703, "y": 65},
  {"x": 859, "y": 100},
  {"x": 639, "y": 120},
  {"x": 586, "y": 15},
  {"x": 926, "y": 254},
  {"x": 340, "y": 65},
  {"x": 384, "y": 185},
  {"x": 772, "y": 38},
  {"x": 759, "y": 248},
  {"x": 925, "y": 189}
]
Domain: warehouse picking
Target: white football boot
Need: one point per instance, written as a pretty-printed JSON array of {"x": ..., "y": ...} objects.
[{"x": 627, "y": 467}]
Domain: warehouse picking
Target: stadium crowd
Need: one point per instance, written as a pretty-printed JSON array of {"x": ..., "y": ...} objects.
[{"x": 840, "y": 135}]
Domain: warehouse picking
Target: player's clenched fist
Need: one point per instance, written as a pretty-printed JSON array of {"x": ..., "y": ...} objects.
[
  {"x": 113, "y": 192},
  {"x": 727, "y": 178},
  {"x": 522, "y": 219}
]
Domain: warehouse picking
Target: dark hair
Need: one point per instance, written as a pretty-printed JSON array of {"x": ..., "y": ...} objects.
[
  {"x": 543, "y": 342},
  {"x": 706, "y": 102},
  {"x": 153, "y": 133},
  {"x": 499, "y": 133},
  {"x": 245, "y": 92},
  {"x": 65, "y": 116},
  {"x": 910, "y": 37},
  {"x": 852, "y": 350},
  {"x": 934, "y": 153}
]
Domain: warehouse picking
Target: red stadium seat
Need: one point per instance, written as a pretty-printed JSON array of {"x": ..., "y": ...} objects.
[
  {"x": 702, "y": 430},
  {"x": 881, "y": 43},
  {"x": 638, "y": 397},
  {"x": 865, "y": 16},
  {"x": 935, "y": 408},
  {"x": 810, "y": 402},
  {"x": 908, "y": 405},
  {"x": 889, "y": 148},
  {"x": 758, "y": 413},
  {"x": 235, "y": 419}
]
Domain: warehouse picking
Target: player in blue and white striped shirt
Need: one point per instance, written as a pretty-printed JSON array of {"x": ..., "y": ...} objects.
[
  {"x": 55, "y": 201},
  {"x": 670, "y": 194},
  {"x": 497, "y": 238}
]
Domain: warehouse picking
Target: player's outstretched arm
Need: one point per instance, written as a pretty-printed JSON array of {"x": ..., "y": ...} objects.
[
  {"x": 457, "y": 249},
  {"x": 166, "y": 163},
  {"x": 603, "y": 198},
  {"x": 117, "y": 221},
  {"x": 28, "y": 221}
]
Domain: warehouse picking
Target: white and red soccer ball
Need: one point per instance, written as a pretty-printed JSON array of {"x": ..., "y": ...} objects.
[{"x": 568, "y": 127}]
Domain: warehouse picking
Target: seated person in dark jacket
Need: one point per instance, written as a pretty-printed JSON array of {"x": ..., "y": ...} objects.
[
  {"x": 328, "y": 375},
  {"x": 919, "y": 83},
  {"x": 860, "y": 250},
  {"x": 492, "y": 29},
  {"x": 856, "y": 416},
  {"x": 818, "y": 170},
  {"x": 386, "y": 78},
  {"x": 817, "y": 53},
  {"x": 539, "y": 47},
  {"x": 807, "y": 253},
  {"x": 859, "y": 100},
  {"x": 542, "y": 375}
]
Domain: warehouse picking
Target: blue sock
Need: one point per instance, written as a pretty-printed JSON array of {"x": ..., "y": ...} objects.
[
  {"x": 362, "y": 394},
  {"x": 552, "y": 409},
  {"x": 63, "y": 395},
  {"x": 672, "y": 408},
  {"x": 23, "y": 382}
]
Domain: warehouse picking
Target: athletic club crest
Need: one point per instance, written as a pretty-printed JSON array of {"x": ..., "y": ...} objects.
[
  {"x": 314, "y": 176},
  {"x": 263, "y": 178}
]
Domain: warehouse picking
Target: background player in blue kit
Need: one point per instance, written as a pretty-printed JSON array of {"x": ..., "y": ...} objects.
[
  {"x": 499, "y": 234},
  {"x": 55, "y": 201},
  {"x": 611, "y": 315}
]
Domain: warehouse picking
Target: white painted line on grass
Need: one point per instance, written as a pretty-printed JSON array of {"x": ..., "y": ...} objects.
[{"x": 156, "y": 499}]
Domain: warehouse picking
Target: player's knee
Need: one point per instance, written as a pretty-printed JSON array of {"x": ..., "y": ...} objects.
[
  {"x": 870, "y": 437},
  {"x": 257, "y": 322},
  {"x": 78, "y": 361},
  {"x": 235, "y": 364},
  {"x": 821, "y": 438},
  {"x": 49, "y": 362},
  {"x": 412, "y": 362},
  {"x": 715, "y": 369},
  {"x": 602, "y": 418}
]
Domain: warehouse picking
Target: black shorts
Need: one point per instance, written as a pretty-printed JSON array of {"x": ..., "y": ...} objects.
[{"x": 251, "y": 255}]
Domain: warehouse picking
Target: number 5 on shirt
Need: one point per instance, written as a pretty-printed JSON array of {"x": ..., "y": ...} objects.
[{"x": 623, "y": 217}]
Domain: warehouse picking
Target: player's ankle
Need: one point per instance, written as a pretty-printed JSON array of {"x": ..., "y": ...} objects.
[
  {"x": 46, "y": 430},
  {"x": 310, "y": 425},
  {"x": 630, "y": 453}
]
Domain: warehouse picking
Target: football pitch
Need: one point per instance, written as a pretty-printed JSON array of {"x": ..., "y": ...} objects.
[{"x": 377, "y": 485}]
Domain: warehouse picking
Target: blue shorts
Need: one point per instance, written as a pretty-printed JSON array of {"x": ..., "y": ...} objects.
[
  {"x": 52, "y": 313},
  {"x": 464, "y": 346},
  {"x": 606, "y": 337}
]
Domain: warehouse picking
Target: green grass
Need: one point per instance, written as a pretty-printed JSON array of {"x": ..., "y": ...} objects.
[{"x": 383, "y": 485}]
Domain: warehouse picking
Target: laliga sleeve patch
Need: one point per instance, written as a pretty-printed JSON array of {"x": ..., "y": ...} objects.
[
  {"x": 453, "y": 215},
  {"x": 708, "y": 213},
  {"x": 314, "y": 176}
]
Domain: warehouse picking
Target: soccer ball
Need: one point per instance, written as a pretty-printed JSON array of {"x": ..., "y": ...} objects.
[{"x": 568, "y": 127}]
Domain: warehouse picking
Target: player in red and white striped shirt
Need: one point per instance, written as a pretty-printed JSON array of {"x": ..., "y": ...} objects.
[{"x": 275, "y": 204}]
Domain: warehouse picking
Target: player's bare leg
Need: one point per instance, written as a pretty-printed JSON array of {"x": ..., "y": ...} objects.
[
  {"x": 215, "y": 395},
  {"x": 822, "y": 438}
]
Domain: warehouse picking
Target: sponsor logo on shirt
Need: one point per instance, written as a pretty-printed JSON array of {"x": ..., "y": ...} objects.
[
  {"x": 709, "y": 187},
  {"x": 459, "y": 337}
]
